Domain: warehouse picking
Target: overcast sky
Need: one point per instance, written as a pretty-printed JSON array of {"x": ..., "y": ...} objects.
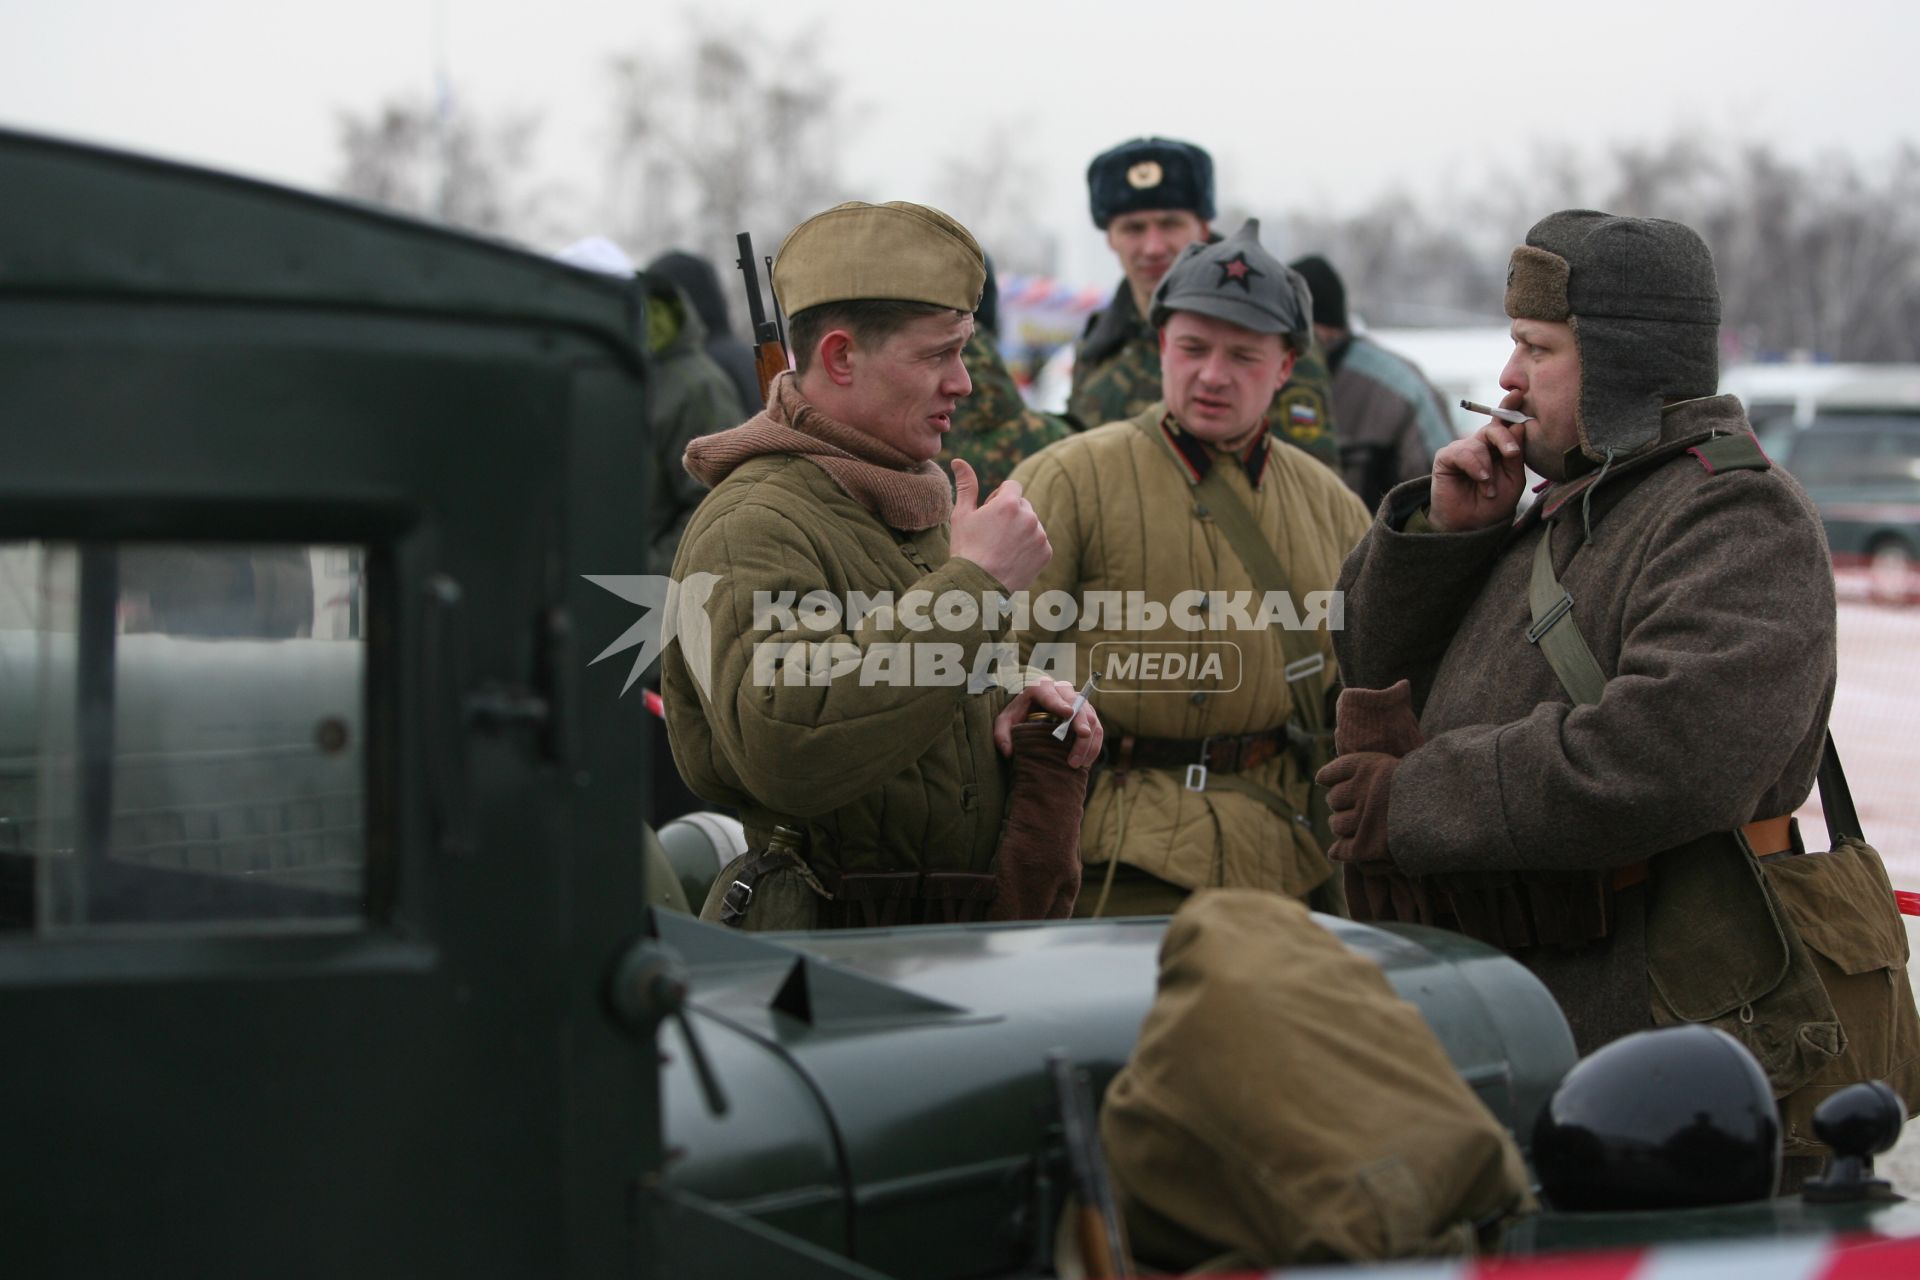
[{"x": 1322, "y": 105}]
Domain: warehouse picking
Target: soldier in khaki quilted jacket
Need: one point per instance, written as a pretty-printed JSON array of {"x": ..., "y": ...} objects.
[
  {"x": 1204, "y": 785},
  {"x": 886, "y": 778}
]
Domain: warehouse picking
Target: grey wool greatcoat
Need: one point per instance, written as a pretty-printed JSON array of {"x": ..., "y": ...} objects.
[{"x": 1707, "y": 599}]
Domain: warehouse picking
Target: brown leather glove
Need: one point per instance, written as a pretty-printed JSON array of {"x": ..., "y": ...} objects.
[
  {"x": 1376, "y": 720},
  {"x": 1037, "y": 868},
  {"x": 1358, "y": 785}
]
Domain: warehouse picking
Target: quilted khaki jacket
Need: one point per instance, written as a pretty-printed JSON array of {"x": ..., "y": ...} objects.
[
  {"x": 1119, "y": 508},
  {"x": 884, "y": 775}
]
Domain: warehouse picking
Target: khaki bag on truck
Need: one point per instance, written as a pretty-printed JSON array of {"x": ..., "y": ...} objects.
[{"x": 1283, "y": 1105}]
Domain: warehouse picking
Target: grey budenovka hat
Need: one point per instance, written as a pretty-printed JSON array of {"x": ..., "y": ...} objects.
[
  {"x": 1238, "y": 281},
  {"x": 1644, "y": 305}
]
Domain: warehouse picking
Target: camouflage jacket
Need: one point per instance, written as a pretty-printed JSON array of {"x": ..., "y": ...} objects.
[
  {"x": 1116, "y": 374},
  {"x": 993, "y": 429}
]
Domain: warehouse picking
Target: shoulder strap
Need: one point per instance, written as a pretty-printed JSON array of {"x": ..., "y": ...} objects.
[
  {"x": 1306, "y": 669},
  {"x": 1568, "y": 653},
  {"x": 1738, "y": 452},
  {"x": 1836, "y": 797},
  {"x": 1555, "y": 632}
]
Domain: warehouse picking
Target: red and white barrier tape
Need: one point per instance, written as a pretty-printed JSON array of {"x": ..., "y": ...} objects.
[{"x": 1802, "y": 1258}]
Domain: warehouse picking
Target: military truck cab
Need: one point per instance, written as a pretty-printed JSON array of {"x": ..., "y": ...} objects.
[{"x": 318, "y": 838}]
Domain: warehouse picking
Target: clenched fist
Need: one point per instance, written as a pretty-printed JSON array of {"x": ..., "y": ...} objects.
[{"x": 1002, "y": 535}]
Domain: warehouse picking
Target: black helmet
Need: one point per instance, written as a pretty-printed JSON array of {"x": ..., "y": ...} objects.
[{"x": 1673, "y": 1118}]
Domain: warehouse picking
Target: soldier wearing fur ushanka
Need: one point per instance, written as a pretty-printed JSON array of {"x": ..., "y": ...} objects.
[
  {"x": 890, "y": 789},
  {"x": 1153, "y": 197},
  {"x": 1604, "y": 817}
]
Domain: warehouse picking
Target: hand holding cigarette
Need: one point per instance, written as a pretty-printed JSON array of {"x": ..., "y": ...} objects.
[
  {"x": 1477, "y": 481},
  {"x": 1504, "y": 415}
]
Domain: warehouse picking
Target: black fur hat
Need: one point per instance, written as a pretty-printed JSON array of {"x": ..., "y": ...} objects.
[{"x": 1150, "y": 173}]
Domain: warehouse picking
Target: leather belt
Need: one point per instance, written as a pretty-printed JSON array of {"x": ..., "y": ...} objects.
[
  {"x": 1221, "y": 753},
  {"x": 1770, "y": 836},
  {"x": 1767, "y": 837}
]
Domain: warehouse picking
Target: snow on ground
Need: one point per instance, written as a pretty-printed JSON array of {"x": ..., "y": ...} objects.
[{"x": 1876, "y": 729}]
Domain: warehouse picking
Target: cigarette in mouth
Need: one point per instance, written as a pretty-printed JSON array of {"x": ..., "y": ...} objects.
[
  {"x": 1066, "y": 725},
  {"x": 1505, "y": 415}
]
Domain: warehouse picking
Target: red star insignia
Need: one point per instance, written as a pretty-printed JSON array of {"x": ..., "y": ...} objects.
[{"x": 1237, "y": 270}]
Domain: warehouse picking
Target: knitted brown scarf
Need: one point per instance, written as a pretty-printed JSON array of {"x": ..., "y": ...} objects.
[{"x": 906, "y": 493}]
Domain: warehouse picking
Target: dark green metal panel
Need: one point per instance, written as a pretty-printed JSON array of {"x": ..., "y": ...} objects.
[
  {"x": 923, "y": 1058},
  {"x": 81, "y": 221},
  {"x": 185, "y": 357},
  {"x": 1784, "y": 1216}
]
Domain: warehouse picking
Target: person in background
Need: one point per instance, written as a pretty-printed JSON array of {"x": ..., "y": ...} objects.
[
  {"x": 1154, "y": 197},
  {"x": 1392, "y": 421},
  {"x": 688, "y": 395},
  {"x": 697, "y": 280},
  {"x": 993, "y": 429}
]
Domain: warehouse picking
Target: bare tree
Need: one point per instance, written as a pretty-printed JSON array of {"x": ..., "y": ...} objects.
[
  {"x": 443, "y": 163},
  {"x": 1402, "y": 265},
  {"x": 731, "y": 133},
  {"x": 990, "y": 190},
  {"x": 1819, "y": 256}
]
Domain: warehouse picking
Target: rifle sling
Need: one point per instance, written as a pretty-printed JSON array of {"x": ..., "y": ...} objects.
[{"x": 1306, "y": 669}]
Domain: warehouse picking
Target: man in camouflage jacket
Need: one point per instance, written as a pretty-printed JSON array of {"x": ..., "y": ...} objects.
[{"x": 1153, "y": 197}]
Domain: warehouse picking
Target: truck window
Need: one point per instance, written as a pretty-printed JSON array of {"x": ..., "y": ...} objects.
[{"x": 181, "y": 737}]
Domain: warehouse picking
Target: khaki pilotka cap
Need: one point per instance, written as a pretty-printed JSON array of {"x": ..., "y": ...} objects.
[{"x": 895, "y": 252}]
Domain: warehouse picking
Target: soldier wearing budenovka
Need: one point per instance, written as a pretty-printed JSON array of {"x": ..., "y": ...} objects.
[
  {"x": 894, "y": 786},
  {"x": 1208, "y": 781},
  {"x": 1154, "y": 197},
  {"x": 1613, "y": 686}
]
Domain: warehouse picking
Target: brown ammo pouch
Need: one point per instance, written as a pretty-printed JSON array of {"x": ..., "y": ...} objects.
[{"x": 1802, "y": 957}]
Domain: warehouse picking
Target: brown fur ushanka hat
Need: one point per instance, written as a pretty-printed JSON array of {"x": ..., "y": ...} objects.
[{"x": 1641, "y": 296}]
